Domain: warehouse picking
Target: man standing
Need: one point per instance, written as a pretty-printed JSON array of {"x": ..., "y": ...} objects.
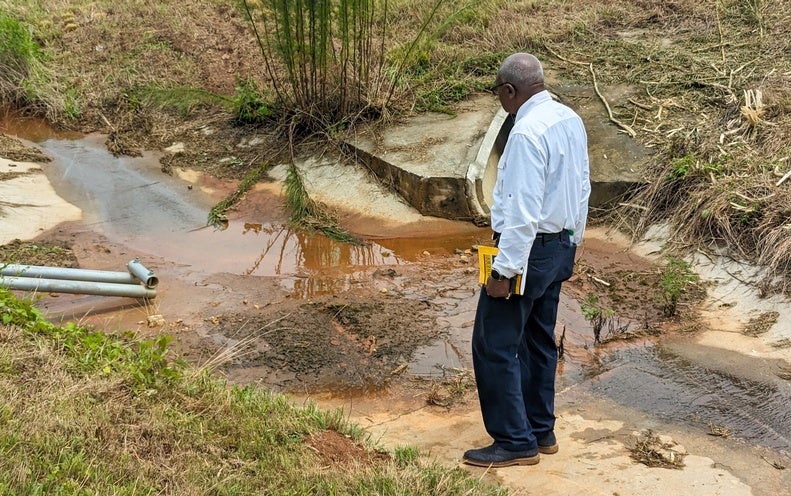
[{"x": 538, "y": 216}]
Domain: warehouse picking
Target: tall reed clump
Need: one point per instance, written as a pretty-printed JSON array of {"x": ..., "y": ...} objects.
[
  {"x": 328, "y": 68},
  {"x": 326, "y": 59}
]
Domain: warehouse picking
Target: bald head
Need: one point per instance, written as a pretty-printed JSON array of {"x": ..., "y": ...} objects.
[
  {"x": 522, "y": 70},
  {"x": 519, "y": 78}
]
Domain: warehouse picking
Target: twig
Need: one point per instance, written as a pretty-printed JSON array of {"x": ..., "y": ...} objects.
[
  {"x": 753, "y": 200},
  {"x": 564, "y": 58},
  {"x": 631, "y": 132},
  {"x": 107, "y": 122},
  {"x": 777, "y": 465},
  {"x": 639, "y": 105},
  {"x": 783, "y": 179},
  {"x": 620, "y": 124},
  {"x": 623, "y": 126},
  {"x": 632, "y": 205},
  {"x": 719, "y": 27},
  {"x": 741, "y": 208}
]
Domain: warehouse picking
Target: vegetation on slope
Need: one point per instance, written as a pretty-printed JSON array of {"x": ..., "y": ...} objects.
[{"x": 85, "y": 412}]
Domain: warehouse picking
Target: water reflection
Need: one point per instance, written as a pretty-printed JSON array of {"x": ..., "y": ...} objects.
[{"x": 317, "y": 265}]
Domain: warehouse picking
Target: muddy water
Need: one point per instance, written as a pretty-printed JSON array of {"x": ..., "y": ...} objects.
[{"x": 133, "y": 204}]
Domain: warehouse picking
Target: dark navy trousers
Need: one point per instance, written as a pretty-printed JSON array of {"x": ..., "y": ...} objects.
[{"x": 514, "y": 351}]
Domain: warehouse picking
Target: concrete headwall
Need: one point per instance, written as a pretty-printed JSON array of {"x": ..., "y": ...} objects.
[{"x": 446, "y": 166}]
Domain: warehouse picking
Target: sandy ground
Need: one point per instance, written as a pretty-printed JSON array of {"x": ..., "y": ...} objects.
[{"x": 594, "y": 434}]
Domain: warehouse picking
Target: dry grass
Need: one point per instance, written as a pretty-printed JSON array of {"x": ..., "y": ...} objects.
[
  {"x": 655, "y": 451},
  {"x": 715, "y": 80}
]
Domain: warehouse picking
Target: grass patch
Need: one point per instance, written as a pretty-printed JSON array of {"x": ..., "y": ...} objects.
[
  {"x": 217, "y": 214},
  {"x": 91, "y": 413},
  {"x": 26, "y": 80},
  {"x": 185, "y": 100},
  {"x": 308, "y": 215}
]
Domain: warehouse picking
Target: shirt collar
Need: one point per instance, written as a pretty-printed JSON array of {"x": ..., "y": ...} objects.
[{"x": 533, "y": 102}]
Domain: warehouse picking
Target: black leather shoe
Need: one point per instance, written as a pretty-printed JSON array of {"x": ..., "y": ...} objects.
[
  {"x": 496, "y": 456},
  {"x": 547, "y": 444}
]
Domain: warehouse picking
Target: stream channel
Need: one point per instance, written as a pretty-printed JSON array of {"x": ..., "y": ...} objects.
[{"x": 133, "y": 204}]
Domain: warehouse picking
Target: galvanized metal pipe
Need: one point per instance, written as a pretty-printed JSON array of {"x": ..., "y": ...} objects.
[
  {"x": 145, "y": 275},
  {"x": 67, "y": 274},
  {"x": 77, "y": 287},
  {"x": 137, "y": 273}
]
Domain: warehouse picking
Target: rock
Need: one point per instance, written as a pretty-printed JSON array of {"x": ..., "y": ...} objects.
[
  {"x": 155, "y": 320},
  {"x": 175, "y": 148}
]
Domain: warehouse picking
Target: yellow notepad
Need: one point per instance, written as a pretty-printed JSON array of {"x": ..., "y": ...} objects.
[{"x": 485, "y": 256}]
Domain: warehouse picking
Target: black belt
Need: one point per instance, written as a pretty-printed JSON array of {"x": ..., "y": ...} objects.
[{"x": 544, "y": 237}]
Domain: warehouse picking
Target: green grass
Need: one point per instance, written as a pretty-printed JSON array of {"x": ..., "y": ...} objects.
[
  {"x": 25, "y": 77},
  {"x": 307, "y": 215},
  {"x": 677, "y": 276},
  {"x": 84, "y": 412}
]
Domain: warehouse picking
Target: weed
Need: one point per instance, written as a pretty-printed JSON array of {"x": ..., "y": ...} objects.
[
  {"x": 681, "y": 167},
  {"x": 676, "y": 278},
  {"x": 596, "y": 314},
  {"x": 306, "y": 214},
  {"x": 406, "y": 456},
  {"x": 217, "y": 214},
  {"x": 248, "y": 106}
]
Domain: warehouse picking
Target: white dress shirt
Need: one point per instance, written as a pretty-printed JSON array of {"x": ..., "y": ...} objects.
[{"x": 543, "y": 181}]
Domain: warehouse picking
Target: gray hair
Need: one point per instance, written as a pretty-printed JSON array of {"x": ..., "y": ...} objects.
[{"x": 521, "y": 69}]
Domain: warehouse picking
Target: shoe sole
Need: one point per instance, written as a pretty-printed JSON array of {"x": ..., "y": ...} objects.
[
  {"x": 549, "y": 450},
  {"x": 530, "y": 460}
]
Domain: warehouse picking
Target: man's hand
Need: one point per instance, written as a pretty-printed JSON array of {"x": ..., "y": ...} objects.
[{"x": 498, "y": 288}]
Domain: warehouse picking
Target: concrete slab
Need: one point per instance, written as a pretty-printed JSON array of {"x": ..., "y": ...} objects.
[
  {"x": 426, "y": 158},
  {"x": 29, "y": 205},
  {"x": 445, "y": 166}
]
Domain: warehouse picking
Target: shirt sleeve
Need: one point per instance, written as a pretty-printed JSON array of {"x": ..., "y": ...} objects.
[
  {"x": 582, "y": 215},
  {"x": 521, "y": 180}
]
